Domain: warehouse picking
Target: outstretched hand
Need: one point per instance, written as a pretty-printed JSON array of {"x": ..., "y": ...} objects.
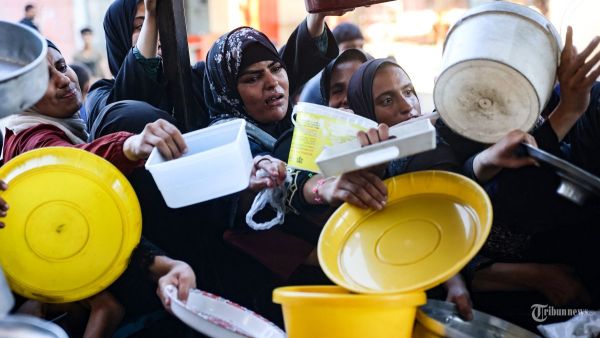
[
  {"x": 577, "y": 74},
  {"x": 267, "y": 172},
  {"x": 161, "y": 134},
  {"x": 503, "y": 154},
  {"x": 360, "y": 188},
  {"x": 182, "y": 277}
]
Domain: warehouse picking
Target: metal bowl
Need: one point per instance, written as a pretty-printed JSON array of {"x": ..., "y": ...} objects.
[
  {"x": 23, "y": 68},
  {"x": 6, "y": 298},
  {"x": 19, "y": 326},
  {"x": 576, "y": 184},
  {"x": 440, "y": 319}
]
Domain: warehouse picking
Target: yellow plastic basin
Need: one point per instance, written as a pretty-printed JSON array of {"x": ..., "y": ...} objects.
[
  {"x": 73, "y": 223},
  {"x": 331, "y": 311},
  {"x": 433, "y": 224}
]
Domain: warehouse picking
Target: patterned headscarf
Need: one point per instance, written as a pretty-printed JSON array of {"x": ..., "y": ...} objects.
[{"x": 223, "y": 68}]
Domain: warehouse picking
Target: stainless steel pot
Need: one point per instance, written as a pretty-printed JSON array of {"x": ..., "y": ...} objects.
[
  {"x": 440, "y": 319},
  {"x": 23, "y": 68},
  {"x": 26, "y": 326},
  {"x": 6, "y": 298}
]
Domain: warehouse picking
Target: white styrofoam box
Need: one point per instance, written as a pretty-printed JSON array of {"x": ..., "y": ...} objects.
[
  {"x": 410, "y": 138},
  {"x": 218, "y": 163}
]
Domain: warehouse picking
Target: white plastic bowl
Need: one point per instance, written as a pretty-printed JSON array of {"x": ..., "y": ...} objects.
[
  {"x": 218, "y": 163},
  {"x": 220, "y": 318}
]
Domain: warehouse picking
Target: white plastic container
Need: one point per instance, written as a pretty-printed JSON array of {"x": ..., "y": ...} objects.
[
  {"x": 218, "y": 317},
  {"x": 218, "y": 163},
  {"x": 498, "y": 71},
  {"x": 410, "y": 138}
]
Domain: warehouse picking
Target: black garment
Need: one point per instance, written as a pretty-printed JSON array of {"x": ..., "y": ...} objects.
[
  {"x": 300, "y": 57},
  {"x": 131, "y": 81},
  {"x": 29, "y": 23},
  {"x": 532, "y": 223},
  {"x": 134, "y": 289}
]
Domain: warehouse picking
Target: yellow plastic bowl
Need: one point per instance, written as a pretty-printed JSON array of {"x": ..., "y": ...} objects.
[
  {"x": 433, "y": 224},
  {"x": 73, "y": 225},
  {"x": 331, "y": 311}
]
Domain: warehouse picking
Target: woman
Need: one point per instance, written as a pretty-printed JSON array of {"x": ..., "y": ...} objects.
[
  {"x": 336, "y": 77},
  {"x": 54, "y": 121},
  {"x": 138, "y": 94},
  {"x": 382, "y": 91},
  {"x": 246, "y": 77}
]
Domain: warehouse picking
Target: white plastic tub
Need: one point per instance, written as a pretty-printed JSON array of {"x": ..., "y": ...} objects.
[{"x": 218, "y": 163}]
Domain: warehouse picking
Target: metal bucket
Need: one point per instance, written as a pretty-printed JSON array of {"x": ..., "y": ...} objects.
[
  {"x": 26, "y": 326},
  {"x": 23, "y": 68},
  {"x": 6, "y": 298},
  {"x": 440, "y": 319},
  {"x": 498, "y": 71}
]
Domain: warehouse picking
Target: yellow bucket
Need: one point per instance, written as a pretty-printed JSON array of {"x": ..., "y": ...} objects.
[
  {"x": 317, "y": 127},
  {"x": 332, "y": 311}
]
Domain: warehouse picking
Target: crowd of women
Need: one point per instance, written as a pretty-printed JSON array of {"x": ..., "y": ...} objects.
[{"x": 539, "y": 242}]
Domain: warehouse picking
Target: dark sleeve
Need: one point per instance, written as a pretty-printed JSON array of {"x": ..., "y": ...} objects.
[
  {"x": 440, "y": 158},
  {"x": 198, "y": 92},
  {"x": 131, "y": 83},
  {"x": 110, "y": 147},
  {"x": 477, "y": 263},
  {"x": 462, "y": 146},
  {"x": 546, "y": 139},
  {"x": 143, "y": 256},
  {"x": 302, "y": 56}
]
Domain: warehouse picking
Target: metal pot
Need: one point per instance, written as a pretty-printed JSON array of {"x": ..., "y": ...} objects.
[
  {"x": 315, "y": 6},
  {"x": 576, "y": 184},
  {"x": 23, "y": 68},
  {"x": 6, "y": 298},
  {"x": 440, "y": 319},
  {"x": 26, "y": 326}
]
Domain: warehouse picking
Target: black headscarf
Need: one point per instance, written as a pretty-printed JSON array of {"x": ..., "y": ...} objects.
[
  {"x": 346, "y": 31},
  {"x": 223, "y": 66},
  {"x": 347, "y": 55},
  {"x": 360, "y": 89},
  {"x": 52, "y": 45},
  {"x": 118, "y": 28}
]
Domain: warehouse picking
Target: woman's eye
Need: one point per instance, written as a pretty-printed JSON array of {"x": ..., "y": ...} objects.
[
  {"x": 251, "y": 79},
  {"x": 409, "y": 92},
  {"x": 387, "y": 101},
  {"x": 61, "y": 67},
  {"x": 276, "y": 68}
]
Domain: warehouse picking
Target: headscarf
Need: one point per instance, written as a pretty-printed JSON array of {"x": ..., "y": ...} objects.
[
  {"x": 348, "y": 55},
  {"x": 223, "y": 66},
  {"x": 118, "y": 28},
  {"x": 73, "y": 126},
  {"x": 346, "y": 31},
  {"x": 360, "y": 88}
]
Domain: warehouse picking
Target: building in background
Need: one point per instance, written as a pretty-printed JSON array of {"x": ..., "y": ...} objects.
[{"x": 410, "y": 30}]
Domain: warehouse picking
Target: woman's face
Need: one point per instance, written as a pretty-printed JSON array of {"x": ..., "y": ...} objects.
[
  {"x": 338, "y": 84},
  {"x": 63, "y": 95},
  {"x": 138, "y": 21},
  {"x": 264, "y": 89},
  {"x": 394, "y": 96}
]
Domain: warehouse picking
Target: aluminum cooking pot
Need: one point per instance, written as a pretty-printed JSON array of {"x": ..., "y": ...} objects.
[{"x": 23, "y": 68}]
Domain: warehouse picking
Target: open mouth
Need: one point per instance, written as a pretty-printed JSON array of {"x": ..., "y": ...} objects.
[{"x": 275, "y": 100}]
